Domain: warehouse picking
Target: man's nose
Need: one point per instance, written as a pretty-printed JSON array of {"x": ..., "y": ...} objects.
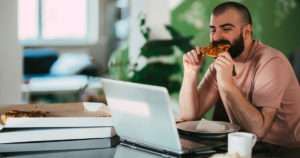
[{"x": 216, "y": 36}]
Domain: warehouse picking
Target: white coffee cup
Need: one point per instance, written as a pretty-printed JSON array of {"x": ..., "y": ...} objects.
[{"x": 241, "y": 143}]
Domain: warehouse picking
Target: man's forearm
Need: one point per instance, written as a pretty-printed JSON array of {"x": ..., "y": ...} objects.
[
  {"x": 245, "y": 113},
  {"x": 188, "y": 97}
]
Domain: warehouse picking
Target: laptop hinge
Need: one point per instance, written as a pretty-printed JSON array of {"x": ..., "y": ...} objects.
[{"x": 136, "y": 146}]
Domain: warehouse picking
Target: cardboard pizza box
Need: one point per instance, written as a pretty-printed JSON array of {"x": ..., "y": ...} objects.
[{"x": 82, "y": 114}]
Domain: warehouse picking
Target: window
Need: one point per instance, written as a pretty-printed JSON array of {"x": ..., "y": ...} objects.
[{"x": 48, "y": 22}]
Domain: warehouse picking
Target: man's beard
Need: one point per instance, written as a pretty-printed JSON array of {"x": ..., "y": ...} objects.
[{"x": 236, "y": 48}]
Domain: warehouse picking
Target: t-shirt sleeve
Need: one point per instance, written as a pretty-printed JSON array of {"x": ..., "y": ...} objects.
[{"x": 271, "y": 80}]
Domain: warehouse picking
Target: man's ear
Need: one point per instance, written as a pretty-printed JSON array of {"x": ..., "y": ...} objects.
[{"x": 247, "y": 30}]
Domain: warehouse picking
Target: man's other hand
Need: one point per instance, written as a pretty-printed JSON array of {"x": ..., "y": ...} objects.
[
  {"x": 224, "y": 67},
  {"x": 192, "y": 61}
]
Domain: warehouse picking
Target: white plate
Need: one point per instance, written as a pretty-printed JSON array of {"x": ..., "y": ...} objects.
[{"x": 191, "y": 126}]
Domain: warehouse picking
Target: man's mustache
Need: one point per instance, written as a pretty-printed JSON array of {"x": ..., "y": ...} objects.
[{"x": 220, "y": 42}]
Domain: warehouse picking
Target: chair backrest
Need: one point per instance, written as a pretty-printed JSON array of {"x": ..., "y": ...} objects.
[
  {"x": 38, "y": 61},
  {"x": 219, "y": 113},
  {"x": 295, "y": 61}
]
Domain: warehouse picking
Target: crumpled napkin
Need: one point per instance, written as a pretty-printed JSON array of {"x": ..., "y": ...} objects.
[
  {"x": 226, "y": 155},
  {"x": 210, "y": 126}
]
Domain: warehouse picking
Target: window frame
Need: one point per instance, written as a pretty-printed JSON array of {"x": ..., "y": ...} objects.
[{"x": 91, "y": 35}]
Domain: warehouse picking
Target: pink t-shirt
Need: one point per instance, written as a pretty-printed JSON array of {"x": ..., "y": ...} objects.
[{"x": 267, "y": 73}]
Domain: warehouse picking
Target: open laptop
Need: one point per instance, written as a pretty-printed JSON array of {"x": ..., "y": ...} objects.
[{"x": 142, "y": 117}]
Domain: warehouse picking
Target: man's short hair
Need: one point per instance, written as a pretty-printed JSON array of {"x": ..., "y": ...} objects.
[{"x": 245, "y": 14}]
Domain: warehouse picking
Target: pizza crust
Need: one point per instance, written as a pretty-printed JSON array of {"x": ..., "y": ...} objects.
[{"x": 22, "y": 113}]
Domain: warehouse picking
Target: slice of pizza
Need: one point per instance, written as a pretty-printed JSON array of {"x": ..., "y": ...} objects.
[{"x": 214, "y": 51}]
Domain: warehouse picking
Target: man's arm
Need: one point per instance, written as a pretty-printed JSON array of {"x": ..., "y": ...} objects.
[
  {"x": 246, "y": 114},
  {"x": 194, "y": 102},
  {"x": 188, "y": 97}
]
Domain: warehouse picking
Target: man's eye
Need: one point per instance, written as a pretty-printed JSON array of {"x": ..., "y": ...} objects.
[{"x": 227, "y": 29}]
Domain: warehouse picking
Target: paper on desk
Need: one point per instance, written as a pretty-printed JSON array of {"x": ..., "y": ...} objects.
[{"x": 93, "y": 107}]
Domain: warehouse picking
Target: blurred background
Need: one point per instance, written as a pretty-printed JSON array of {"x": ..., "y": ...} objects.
[{"x": 58, "y": 50}]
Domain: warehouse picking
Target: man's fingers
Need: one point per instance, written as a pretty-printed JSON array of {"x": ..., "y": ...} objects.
[
  {"x": 224, "y": 60},
  {"x": 226, "y": 55},
  {"x": 191, "y": 55},
  {"x": 191, "y": 58},
  {"x": 187, "y": 58},
  {"x": 195, "y": 56},
  {"x": 198, "y": 51},
  {"x": 220, "y": 63}
]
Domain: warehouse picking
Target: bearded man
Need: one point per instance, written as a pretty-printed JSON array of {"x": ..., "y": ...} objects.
[{"x": 263, "y": 97}]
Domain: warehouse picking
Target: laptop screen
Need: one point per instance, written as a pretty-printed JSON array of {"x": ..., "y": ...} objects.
[{"x": 142, "y": 114}]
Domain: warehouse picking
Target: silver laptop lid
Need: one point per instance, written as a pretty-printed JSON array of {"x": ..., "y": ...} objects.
[{"x": 141, "y": 114}]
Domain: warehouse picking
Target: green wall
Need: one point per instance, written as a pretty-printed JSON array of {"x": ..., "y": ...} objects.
[{"x": 275, "y": 21}]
